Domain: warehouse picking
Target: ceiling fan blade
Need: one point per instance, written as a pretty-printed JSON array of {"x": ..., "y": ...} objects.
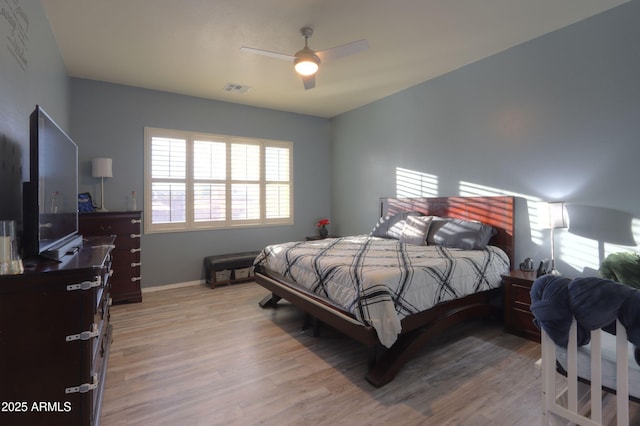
[
  {"x": 309, "y": 81},
  {"x": 267, "y": 53},
  {"x": 343, "y": 50}
]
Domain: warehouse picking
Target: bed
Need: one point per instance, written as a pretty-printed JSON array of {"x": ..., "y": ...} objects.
[
  {"x": 590, "y": 329},
  {"x": 393, "y": 341}
]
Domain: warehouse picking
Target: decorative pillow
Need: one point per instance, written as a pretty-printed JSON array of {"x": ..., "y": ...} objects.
[
  {"x": 391, "y": 226},
  {"x": 415, "y": 230},
  {"x": 464, "y": 234},
  {"x": 437, "y": 222}
]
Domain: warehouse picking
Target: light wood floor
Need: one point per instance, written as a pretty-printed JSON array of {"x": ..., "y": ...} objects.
[{"x": 196, "y": 356}]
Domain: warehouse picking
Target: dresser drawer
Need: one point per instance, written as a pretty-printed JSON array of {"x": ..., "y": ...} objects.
[
  {"x": 99, "y": 224},
  {"x": 125, "y": 244}
]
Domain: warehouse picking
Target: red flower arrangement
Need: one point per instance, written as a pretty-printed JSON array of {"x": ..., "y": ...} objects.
[{"x": 323, "y": 222}]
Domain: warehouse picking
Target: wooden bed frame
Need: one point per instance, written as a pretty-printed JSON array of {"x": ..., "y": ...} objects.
[{"x": 420, "y": 328}]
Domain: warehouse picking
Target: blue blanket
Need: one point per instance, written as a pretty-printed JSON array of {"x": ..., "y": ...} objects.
[{"x": 593, "y": 302}]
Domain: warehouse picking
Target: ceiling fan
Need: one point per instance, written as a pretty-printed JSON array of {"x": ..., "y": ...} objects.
[{"x": 307, "y": 61}]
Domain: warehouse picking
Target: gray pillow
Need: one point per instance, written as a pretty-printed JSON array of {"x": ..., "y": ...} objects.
[
  {"x": 391, "y": 226},
  {"x": 464, "y": 234},
  {"x": 415, "y": 230},
  {"x": 437, "y": 222}
]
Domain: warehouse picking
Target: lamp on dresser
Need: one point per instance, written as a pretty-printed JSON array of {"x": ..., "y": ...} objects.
[{"x": 101, "y": 168}]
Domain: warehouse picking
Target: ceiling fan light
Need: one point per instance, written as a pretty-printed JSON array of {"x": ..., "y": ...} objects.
[
  {"x": 306, "y": 62},
  {"x": 306, "y": 67}
]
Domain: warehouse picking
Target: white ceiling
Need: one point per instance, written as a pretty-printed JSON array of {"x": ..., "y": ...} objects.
[{"x": 192, "y": 47}]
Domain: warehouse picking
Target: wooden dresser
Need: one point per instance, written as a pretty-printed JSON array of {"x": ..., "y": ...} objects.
[
  {"x": 126, "y": 226},
  {"x": 55, "y": 338}
]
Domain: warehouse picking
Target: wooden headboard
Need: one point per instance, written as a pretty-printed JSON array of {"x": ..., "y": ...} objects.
[{"x": 495, "y": 211}]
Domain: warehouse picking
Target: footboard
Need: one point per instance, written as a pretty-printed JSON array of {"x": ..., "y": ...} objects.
[{"x": 586, "y": 409}]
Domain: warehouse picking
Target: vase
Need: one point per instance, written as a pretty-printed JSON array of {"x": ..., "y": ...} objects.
[{"x": 323, "y": 231}]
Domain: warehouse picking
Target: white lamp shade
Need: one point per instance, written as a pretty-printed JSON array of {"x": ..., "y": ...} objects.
[
  {"x": 557, "y": 218},
  {"x": 101, "y": 168}
]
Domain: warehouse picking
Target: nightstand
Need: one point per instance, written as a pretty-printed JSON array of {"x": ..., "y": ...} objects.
[{"x": 518, "y": 318}]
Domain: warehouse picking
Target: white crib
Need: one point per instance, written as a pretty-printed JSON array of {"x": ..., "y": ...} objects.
[{"x": 577, "y": 403}]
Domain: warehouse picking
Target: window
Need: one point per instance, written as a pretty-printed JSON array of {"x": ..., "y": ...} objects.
[{"x": 196, "y": 181}]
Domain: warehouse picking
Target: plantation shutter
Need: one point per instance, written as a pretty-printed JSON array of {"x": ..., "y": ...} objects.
[{"x": 168, "y": 172}]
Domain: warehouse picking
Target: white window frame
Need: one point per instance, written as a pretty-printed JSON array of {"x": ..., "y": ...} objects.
[{"x": 190, "y": 224}]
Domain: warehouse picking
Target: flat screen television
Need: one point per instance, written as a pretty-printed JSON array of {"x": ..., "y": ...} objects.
[{"x": 50, "y": 197}]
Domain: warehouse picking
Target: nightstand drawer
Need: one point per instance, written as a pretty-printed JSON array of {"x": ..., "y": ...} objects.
[
  {"x": 522, "y": 321},
  {"x": 521, "y": 295}
]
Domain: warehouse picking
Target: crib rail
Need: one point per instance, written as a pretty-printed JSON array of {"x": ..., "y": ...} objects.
[{"x": 585, "y": 410}]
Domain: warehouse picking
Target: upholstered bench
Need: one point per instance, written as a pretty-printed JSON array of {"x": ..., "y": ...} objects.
[{"x": 229, "y": 268}]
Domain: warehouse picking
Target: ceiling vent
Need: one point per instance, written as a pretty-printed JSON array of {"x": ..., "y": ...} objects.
[{"x": 236, "y": 88}]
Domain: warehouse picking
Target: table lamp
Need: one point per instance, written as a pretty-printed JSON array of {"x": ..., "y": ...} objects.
[{"x": 101, "y": 168}]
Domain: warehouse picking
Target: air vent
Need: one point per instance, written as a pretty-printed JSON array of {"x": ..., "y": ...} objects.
[{"x": 236, "y": 88}]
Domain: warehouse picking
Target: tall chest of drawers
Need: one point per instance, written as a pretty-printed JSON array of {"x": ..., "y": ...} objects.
[
  {"x": 126, "y": 226},
  {"x": 55, "y": 337}
]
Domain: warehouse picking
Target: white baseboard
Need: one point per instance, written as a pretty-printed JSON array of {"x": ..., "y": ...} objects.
[{"x": 172, "y": 286}]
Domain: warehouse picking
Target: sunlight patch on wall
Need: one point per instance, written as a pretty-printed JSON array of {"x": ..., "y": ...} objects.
[
  {"x": 577, "y": 252},
  {"x": 411, "y": 183},
  {"x": 535, "y": 206},
  {"x": 610, "y": 248},
  {"x": 582, "y": 252}
]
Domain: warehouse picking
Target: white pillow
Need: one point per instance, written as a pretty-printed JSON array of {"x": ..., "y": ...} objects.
[
  {"x": 391, "y": 226},
  {"x": 415, "y": 230}
]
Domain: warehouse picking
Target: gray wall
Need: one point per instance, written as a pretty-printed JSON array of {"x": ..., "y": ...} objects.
[
  {"x": 31, "y": 72},
  {"x": 556, "y": 118},
  {"x": 108, "y": 121}
]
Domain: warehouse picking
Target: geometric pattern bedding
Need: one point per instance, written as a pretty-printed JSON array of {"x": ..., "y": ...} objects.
[{"x": 380, "y": 281}]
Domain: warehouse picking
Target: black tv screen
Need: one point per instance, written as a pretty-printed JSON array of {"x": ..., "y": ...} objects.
[{"x": 50, "y": 198}]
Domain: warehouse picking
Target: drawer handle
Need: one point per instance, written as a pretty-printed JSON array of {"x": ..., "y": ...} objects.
[
  {"x": 135, "y": 250},
  {"x": 85, "y": 335},
  {"x": 134, "y": 279},
  {"x": 133, "y": 265},
  {"x": 134, "y": 221},
  {"x": 105, "y": 228},
  {"x": 135, "y": 235}
]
